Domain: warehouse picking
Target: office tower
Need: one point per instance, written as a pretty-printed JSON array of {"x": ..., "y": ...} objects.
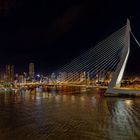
[
  {"x": 12, "y": 73},
  {"x": 2, "y": 74},
  {"x": 31, "y": 70},
  {"x": 9, "y": 74}
]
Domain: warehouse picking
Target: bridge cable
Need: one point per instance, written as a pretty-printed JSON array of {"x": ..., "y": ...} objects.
[{"x": 135, "y": 39}]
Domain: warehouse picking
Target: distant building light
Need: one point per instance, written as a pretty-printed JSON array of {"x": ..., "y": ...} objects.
[{"x": 38, "y": 75}]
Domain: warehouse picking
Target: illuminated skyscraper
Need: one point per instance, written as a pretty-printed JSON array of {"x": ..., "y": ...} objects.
[
  {"x": 31, "y": 70},
  {"x": 9, "y": 73},
  {"x": 12, "y": 73},
  {"x": 2, "y": 74}
]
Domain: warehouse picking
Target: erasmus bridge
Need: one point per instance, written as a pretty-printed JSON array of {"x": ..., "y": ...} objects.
[{"x": 107, "y": 59}]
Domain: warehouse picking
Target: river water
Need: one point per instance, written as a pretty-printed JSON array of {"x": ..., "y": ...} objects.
[{"x": 82, "y": 115}]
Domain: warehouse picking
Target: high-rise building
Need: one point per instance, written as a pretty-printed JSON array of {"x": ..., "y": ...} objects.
[
  {"x": 31, "y": 70},
  {"x": 21, "y": 79},
  {"x": 2, "y": 74},
  {"x": 12, "y": 73},
  {"x": 9, "y": 74}
]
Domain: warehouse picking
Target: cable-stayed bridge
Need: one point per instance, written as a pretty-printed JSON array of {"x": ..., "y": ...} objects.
[{"x": 104, "y": 63}]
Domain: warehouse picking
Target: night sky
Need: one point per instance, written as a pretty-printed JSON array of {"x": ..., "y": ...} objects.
[{"x": 51, "y": 33}]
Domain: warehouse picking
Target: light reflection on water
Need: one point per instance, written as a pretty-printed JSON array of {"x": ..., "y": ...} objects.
[{"x": 68, "y": 116}]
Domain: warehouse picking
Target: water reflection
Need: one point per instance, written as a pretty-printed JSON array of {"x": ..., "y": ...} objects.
[
  {"x": 41, "y": 115},
  {"x": 129, "y": 102}
]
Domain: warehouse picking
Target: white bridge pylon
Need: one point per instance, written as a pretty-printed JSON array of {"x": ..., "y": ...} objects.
[
  {"x": 118, "y": 73},
  {"x": 109, "y": 55}
]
